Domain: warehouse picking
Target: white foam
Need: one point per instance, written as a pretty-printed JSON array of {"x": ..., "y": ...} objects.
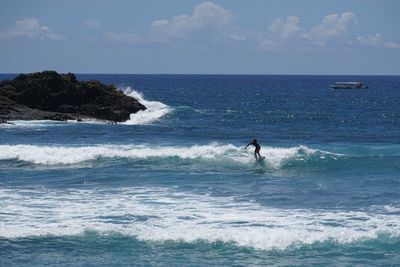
[
  {"x": 277, "y": 156},
  {"x": 155, "y": 110},
  {"x": 31, "y": 123},
  {"x": 392, "y": 208},
  {"x": 178, "y": 216},
  {"x": 53, "y": 155},
  {"x": 59, "y": 155},
  {"x": 47, "y": 123}
]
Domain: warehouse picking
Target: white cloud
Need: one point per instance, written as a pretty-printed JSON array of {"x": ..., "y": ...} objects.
[
  {"x": 333, "y": 28},
  {"x": 268, "y": 45},
  {"x": 159, "y": 24},
  {"x": 333, "y": 25},
  {"x": 288, "y": 33},
  {"x": 204, "y": 14},
  {"x": 30, "y": 28},
  {"x": 374, "y": 40},
  {"x": 286, "y": 29},
  {"x": 93, "y": 23},
  {"x": 392, "y": 45},
  {"x": 210, "y": 22}
]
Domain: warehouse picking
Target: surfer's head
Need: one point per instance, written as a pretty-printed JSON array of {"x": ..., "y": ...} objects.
[{"x": 254, "y": 140}]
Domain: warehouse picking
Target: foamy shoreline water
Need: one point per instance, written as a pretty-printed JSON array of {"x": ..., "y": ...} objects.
[{"x": 172, "y": 215}]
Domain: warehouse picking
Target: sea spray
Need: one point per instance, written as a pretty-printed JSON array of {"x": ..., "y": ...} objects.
[{"x": 155, "y": 110}]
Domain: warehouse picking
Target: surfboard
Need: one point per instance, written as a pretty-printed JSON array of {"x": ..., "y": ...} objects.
[{"x": 262, "y": 158}]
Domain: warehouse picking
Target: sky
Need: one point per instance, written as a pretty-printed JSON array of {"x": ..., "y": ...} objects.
[{"x": 338, "y": 37}]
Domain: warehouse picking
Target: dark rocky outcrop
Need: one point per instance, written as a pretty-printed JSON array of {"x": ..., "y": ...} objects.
[{"x": 52, "y": 96}]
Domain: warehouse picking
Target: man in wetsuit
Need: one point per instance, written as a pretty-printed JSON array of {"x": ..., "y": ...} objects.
[{"x": 257, "y": 150}]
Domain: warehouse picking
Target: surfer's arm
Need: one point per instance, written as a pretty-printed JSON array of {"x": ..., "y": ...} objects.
[{"x": 247, "y": 146}]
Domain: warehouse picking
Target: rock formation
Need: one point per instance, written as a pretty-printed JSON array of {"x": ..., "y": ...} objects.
[{"x": 48, "y": 95}]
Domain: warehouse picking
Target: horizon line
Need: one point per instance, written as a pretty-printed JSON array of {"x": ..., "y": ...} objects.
[{"x": 200, "y": 74}]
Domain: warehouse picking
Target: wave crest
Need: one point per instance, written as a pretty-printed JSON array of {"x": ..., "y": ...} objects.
[
  {"x": 61, "y": 155},
  {"x": 155, "y": 110}
]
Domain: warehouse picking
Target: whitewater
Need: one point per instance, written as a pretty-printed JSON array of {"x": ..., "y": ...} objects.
[
  {"x": 61, "y": 155},
  {"x": 175, "y": 186},
  {"x": 207, "y": 218}
]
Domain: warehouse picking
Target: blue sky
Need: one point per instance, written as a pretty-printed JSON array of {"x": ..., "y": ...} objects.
[{"x": 190, "y": 36}]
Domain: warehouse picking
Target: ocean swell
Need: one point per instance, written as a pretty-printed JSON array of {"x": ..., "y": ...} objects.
[{"x": 276, "y": 157}]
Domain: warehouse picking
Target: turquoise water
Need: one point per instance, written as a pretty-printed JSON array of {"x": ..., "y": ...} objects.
[{"x": 174, "y": 185}]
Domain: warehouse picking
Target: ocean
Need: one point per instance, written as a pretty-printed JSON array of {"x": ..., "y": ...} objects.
[{"x": 174, "y": 186}]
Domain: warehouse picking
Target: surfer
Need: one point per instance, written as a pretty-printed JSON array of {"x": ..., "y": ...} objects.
[{"x": 256, "y": 150}]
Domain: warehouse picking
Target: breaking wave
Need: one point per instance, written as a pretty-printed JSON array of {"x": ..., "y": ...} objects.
[
  {"x": 155, "y": 110},
  {"x": 276, "y": 157}
]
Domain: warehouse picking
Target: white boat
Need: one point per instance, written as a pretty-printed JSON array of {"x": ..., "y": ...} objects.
[{"x": 348, "y": 85}]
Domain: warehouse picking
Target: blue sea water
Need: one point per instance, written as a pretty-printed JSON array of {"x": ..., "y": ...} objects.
[{"x": 174, "y": 185}]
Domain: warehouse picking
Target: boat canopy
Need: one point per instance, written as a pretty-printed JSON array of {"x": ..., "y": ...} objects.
[{"x": 348, "y": 85}]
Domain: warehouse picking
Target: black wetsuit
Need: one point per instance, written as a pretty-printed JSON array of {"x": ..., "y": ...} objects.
[
  {"x": 257, "y": 150},
  {"x": 257, "y": 146}
]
